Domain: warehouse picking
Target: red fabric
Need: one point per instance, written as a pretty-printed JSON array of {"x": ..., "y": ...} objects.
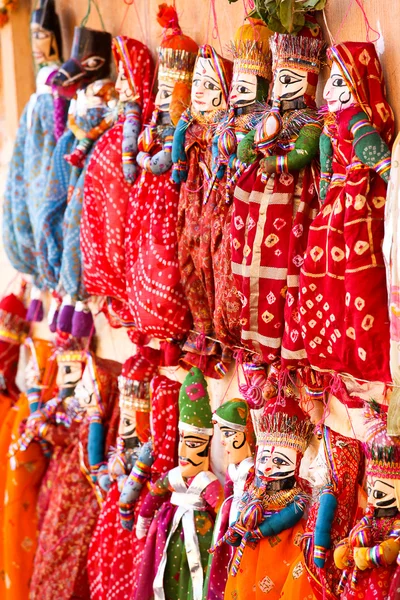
[
  {"x": 164, "y": 418},
  {"x": 362, "y": 69},
  {"x": 269, "y": 234},
  {"x": 194, "y": 231},
  {"x": 344, "y": 459},
  {"x": 68, "y": 525},
  {"x": 343, "y": 304},
  {"x": 106, "y": 193},
  {"x": 154, "y": 290},
  {"x": 115, "y": 553},
  {"x": 103, "y": 218}
]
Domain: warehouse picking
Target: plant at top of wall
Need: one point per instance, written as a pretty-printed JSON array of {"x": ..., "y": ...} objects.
[
  {"x": 6, "y": 7},
  {"x": 285, "y": 16}
]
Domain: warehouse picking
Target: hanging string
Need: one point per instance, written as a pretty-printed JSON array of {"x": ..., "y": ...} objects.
[
  {"x": 367, "y": 23},
  {"x": 128, "y": 4},
  {"x": 360, "y": 4},
  {"x": 215, "y": 30},
  {"x": 89, "y": 9},
  {"x": 331, "y": 38}
]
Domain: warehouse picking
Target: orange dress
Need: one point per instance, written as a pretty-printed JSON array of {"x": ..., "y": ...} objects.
[{"x": 24, "y": 472}]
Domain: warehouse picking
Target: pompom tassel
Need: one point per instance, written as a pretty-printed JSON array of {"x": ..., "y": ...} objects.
[
  {"x": 35, "y": 311},
  {"x": 82, "y": 321},
  {"x": 167, "y": 17},
  {"x": 53, "y": 313},
  {"x": 64, "y": 321}
]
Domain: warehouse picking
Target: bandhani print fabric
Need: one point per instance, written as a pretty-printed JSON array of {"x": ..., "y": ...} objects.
[
  {"x": 270, "y": 222},
  {"x": 106, "y": 189},
  {"x": 343, "y": 306},
  {"x": 156, "y": 298}
]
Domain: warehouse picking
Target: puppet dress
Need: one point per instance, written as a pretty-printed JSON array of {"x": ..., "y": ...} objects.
[
  {"x": 115, "y": 553},
  {"x": 102, "y": 234},
  {"x": 63, "y": 198},
  {"x": 60, "y": 562},
  {"x": 270, "y": 222},
  {"x": 343, "y": 304},
  {"x": 218, "y": 563},
  {"x": 374, "y": 584},
  {"x": 267, "y": 564},
  {"x": 165, "y": 562},
  {"x": 345, "y": 465},
  {"x": 155, "y": 294},
  {"x": 27, "y": 178},
  {"x": 194, "y": 229}
]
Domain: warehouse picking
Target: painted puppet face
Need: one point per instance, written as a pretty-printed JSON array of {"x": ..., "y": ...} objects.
[
  {"x": 193, "y": 453},
  {"x": 44, "y": 45},
  {"x": 207, "y": 93},
  {"x": 275, "y": 462},
  {"x": 289, "y": 84},
  {"x": 164, "y": 94},
  {"x": 127, "y": 423},
  {"x": 235, "y": 443},
  {"x": 381, "y": 492},
  {"x": 336, "y": 91},
  {"x": 122, "y": 86},
  {"x": 68, "y": 376},
  {"x": 85, "y": 394},
  {"x": 243, "y": 89}
]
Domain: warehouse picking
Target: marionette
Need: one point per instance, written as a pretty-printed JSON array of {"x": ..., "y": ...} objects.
[
  {"x": 237, "y": 437},
  {"x": 274, "y": 202},
  {"x": 336, "y": 474},
  {"x": 13, "y": 331},
  {"x": 156, "y": 298},
  {"x": 192, "y": 157},
  {"x": 85, "y": 76},
  {"x": 24, "y": 469},
  {"x": 247, "y": 95},
  {"x": 115, "y": 552},
  {"x": 41, "y": 124},
  {"x": 180, "y": 533},
  {"x": 367, "y": 556},
  {"x": 111, "y": 171},
  {"x": 60, "y": 562},
  {"x": 267, "y": 529},
  {"x": 343, "y": 299}
]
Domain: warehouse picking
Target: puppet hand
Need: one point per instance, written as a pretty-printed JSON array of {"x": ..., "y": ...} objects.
[
  {"x": 267, "y": 165},
  {"x": 142, "y": 527},
  {"x": 146, "y": 455},
  {"x": 342, "y": 555},
  {"x": 234, "y": 540},
  {"x": 140, "y": 158},
  {"x": 390, "y": 549},
  {"x": 130, "y": 171},
  {"x": 361, "y": 558},
  {"x": 104, "y": 482}
]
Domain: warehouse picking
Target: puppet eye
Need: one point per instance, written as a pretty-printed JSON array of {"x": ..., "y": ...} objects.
[
  {"x": 280, "y": 462},
  {"x": 378, "y": 495},
  {"x": 93, "y": 62},
  {"x": 287, "y": 79},
  {"x": 211, "y": 86},
  {"x": 339, "y": 82},
  {"x": 194, "y": 444}
]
